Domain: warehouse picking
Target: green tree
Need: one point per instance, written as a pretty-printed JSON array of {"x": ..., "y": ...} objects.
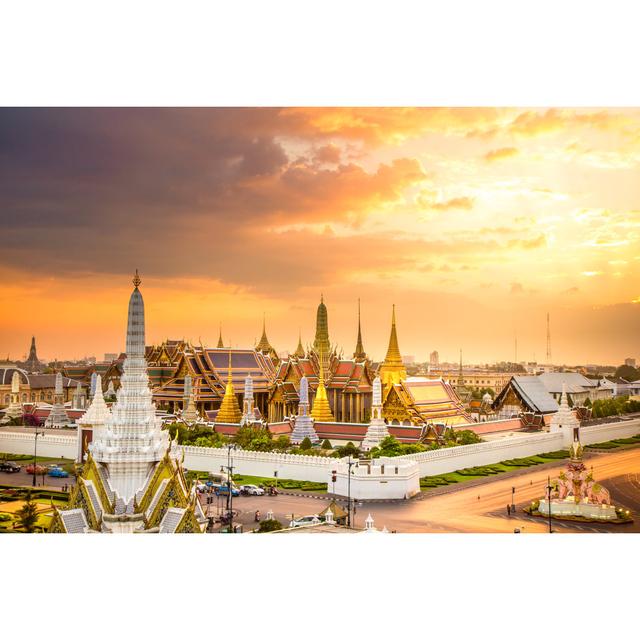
[
  {"x": 282, "y": 443},
  {"x": 28, "y": 514},
  {"x": 254, "y": 438},
  {"x": 306, "y": 444},
  {"x": 326, "y": 444},
  {"x": 628, "y": 373}
]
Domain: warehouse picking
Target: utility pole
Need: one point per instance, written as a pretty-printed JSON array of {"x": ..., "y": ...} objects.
[
  {"x": 549, "y": 487},
  {"x": 350, "y": 463}
]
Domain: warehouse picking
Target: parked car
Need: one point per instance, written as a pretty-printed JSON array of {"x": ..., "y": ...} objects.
[
  {"x": 223, "y": 490},
  {"x": 201, "y": 486},
  {"x": 9, "y": 466},
  {"x": 306, "y": 520},
  {"x": 251, "y": 490},
  {"x": 57, "y": 472}
]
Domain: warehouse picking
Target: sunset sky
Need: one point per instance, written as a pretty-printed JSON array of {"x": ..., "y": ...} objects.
[{"x": 474, "y": 221}]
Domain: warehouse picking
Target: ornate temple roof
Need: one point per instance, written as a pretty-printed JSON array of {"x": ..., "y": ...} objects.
[{"x": 359, "y": 353}]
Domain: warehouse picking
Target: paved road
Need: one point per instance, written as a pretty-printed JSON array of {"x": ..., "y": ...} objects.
[{"x": 462, "y": 511}]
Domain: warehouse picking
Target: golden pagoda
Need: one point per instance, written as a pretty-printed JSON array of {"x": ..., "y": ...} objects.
[
  {"x": 321, "y": 342},
  {"x": 321, "y": 411},
  {"x": 392, "y": 370},
  {"x": 229, "y": 409}
]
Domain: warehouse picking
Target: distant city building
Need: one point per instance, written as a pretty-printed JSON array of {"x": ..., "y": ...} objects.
[
  {"x": 110, "y": 357},
  {"x": 408, "y": 359},
  {"x": 434, "y": 359},
  {"x": 630, "y": 362}
]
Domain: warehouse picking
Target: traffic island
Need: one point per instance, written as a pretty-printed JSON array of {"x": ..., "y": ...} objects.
[{"x": 582, "y": 513}]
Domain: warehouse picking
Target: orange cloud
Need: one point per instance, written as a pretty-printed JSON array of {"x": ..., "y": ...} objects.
[{"x": 501, "y": 154}]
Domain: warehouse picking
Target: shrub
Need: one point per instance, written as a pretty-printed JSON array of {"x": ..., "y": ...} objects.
[
  {"x": 306, "y": 444},
  {"x": 326, "y": 444},
  {"x": 270, "y": 525}
]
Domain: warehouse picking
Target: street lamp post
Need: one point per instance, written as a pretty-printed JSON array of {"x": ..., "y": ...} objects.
[
  {"x": 229, "y": 469},
  {"x": 350, "y": 463},
  {"x": 35, "y": 455},
  {"x": 549, "y": 487}
]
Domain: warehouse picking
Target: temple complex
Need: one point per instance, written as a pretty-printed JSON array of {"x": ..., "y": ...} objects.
[
  {"x": 131, "y": 479},
  {"x": 303, "y": 422},
  {"x": 347, "y": 382}
]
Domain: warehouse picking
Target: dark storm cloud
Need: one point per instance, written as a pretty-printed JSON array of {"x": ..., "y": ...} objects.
[{"x": 183, "y": 191}]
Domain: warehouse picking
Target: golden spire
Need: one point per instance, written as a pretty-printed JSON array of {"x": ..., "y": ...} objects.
[
  {"x": 229, "y": 409},
  {"x": 264, "y": 344},
  {"x": 220, "y": 343},
  {"x": 137, "y": 281},
  {"x": 321, "y": 411},
  {"x": 299, "y": 352},
  {"x": 359, "y": 353},
  {"x": 392, "y": 370},
  {"x": 321, "y": 342}
]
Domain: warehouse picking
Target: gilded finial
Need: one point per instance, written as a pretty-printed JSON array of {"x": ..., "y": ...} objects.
[{"x": 137, "y": 281}]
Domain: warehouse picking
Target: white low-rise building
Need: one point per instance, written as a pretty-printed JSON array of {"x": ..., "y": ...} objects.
[{"x": 380, "y": 478}]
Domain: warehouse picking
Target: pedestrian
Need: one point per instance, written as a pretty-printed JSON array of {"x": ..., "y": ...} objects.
[
  {"x": 478, "y": 497},
  {"x": 508, "y": 509}
]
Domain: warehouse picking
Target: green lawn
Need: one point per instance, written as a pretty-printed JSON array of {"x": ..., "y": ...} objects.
[
  {"x": 473, "y": 473},
  {"x": 615, "y": 444}
]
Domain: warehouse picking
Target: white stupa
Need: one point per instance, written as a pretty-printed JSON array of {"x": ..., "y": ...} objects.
[
  {"x": 189, "y": 412},
  {"x": 57, "y": 417},
  {"x": 377, "y": 430},
  {"x": 14, "y": 410},
  {"x": 248, "y": 404},
  {"x": 565, "y": 421},
  {"x": 98, "y": 413},
  {"x": 131, "y": 441},
  {"x": 303, "y": 422}
]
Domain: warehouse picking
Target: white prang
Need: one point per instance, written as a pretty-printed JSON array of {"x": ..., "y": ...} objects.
[
  {"x": 14, "y": 410},
  {"x": 248, "y": 407},
  {"x": 565, "y": 421},
  {"x": 98, "y": 413},
  {"x": 377, "y": 430},
  {"x": 58, "y": 416},
  {"x": 303, "y": 422},
  {"x": 132, "y": 440}
]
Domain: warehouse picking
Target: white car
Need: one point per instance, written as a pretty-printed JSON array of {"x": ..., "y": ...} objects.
[
  {"x": 306, "y": 520},
  {"x": 251, "y": 490}
]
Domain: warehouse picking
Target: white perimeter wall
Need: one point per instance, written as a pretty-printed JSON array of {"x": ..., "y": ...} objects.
[
  {"x": 257, "y": 463},
  {"x": 318, "y": 469},
  {"x": 49, "y": 446}
]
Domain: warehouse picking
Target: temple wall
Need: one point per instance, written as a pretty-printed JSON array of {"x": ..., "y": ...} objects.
[
  {"x": 49, "y": 446},
  {"x": 473, "y": 455},
  {"x": 448, "y": 460},
  {"x": 610, "y": 431},
  {"x": 258, "y": 463}
]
